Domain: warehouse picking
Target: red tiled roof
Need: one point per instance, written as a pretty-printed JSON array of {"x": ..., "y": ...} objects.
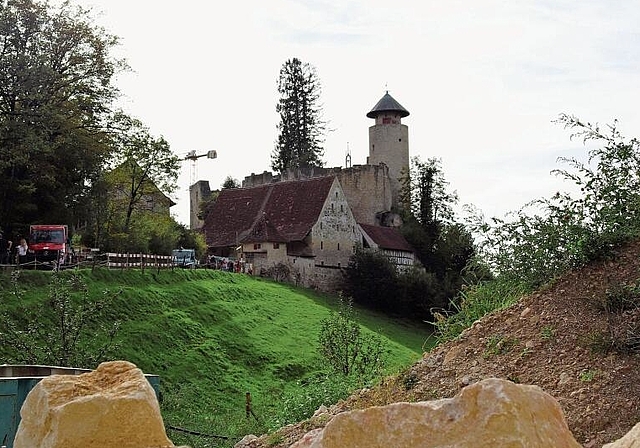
[
  {"x": 279, "y": 212},
  {"x": 387, "y": 237}
]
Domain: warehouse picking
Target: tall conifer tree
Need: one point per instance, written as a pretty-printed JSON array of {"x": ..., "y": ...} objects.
[{"x": 301, "y": 128}]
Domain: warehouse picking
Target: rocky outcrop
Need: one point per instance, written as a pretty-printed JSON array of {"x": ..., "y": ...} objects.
[
  {"x": 112, "y": 406},
  {"x": 487, "y": 414}
]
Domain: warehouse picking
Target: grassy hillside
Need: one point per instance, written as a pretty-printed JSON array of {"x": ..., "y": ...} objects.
[{"x": 213, "y": 336}]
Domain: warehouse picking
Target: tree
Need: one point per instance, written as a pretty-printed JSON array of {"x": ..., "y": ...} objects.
[
  {"x": 371, "y": 280},
  {"x": 56, "y": 87},
  {"x": 430, "y": 210},
  {"x": 144, "y": 166},
  {"x": 192, "y": 239},
  {"x": 230, "y": 182},
  {"x": 301, "y": 127},
  {"x": 443, "y": 246}
]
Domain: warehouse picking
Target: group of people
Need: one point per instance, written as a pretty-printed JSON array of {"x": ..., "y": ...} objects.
[
  {"x": 226, "y": 264},
  {"x": 10, "y": 256}
]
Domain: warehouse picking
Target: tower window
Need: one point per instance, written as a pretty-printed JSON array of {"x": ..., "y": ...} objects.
[
  {"x": 399, "y": 139},
  {"x": 321, "y": 245}
]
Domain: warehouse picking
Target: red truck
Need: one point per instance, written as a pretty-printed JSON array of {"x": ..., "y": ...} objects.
[{"x": 49, "y": 243}]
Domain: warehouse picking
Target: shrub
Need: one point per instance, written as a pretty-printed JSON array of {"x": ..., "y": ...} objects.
[{"x": 347, "y": 350}]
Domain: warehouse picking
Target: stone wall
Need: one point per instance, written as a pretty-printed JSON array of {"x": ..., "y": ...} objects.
[
  {"x": 198, "y": 192},
  {"x": 366, "y": 187},
  {"x": 368, "y": 191}
]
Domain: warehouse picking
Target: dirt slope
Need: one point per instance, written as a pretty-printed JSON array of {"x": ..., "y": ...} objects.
[{"x": 551, "y": 338}]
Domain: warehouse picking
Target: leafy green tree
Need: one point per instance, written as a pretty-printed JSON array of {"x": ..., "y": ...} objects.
[
  {"x": 145, "y": 168},
  {"x": 301, "y": 128},
  {"x": 56, "y": 73},
  {"x": 443, "y": 246}
]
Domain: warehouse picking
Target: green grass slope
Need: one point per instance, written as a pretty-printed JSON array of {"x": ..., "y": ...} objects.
[{"x": 213, "y": 336}]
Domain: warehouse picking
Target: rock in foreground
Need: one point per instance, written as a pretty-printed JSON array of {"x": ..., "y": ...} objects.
[
  {"x": 113, "y": 406},
  {"x": 491, "y": 413}
]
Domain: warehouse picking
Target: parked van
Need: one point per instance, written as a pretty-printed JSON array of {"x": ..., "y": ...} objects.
[{"x": 185, "y": 258}]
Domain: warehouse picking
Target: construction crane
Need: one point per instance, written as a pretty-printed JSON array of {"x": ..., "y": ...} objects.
[{"x": 191, "y": 155}]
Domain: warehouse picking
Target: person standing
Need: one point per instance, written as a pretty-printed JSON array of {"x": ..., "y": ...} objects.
[
  {"x": 22, "y": 251},
  {"x": 5, "y": 249}
]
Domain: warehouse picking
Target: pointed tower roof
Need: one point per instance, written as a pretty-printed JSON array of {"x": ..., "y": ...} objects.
[{"x": 387, "y": 104}]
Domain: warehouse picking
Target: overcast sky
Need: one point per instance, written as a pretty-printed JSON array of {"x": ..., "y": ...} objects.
[{"x": 482, "y": 79}]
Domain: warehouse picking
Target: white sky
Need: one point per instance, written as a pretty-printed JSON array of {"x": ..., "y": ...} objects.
[{"x": 482, "y": 79}]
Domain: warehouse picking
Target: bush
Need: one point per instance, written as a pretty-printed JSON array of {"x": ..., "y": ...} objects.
[
  {"x": 371, "y": 280},
  {"x": 347, "y": 350},
  {"x": 311, "y": 393}
]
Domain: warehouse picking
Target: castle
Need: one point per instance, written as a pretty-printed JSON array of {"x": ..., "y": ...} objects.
[{"x": 307, "y": 222}]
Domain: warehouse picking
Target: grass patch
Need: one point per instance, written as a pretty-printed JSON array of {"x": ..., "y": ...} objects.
[
  {"x": 475, "y": 302},
  {"x": 212, "y": 336}
]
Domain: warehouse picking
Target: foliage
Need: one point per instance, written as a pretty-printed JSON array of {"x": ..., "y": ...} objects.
[
  {"x": 425, "y": 191},
  {"x": 552, "y": 235},
  {"x": 230, "y": 182},
  {"x": 148, "y": 232},
  {"x": 444, "y": 246},
  {"x": 322, "y": 389},
  {"x": 145, "y": 169},
  {"x": 59, "y": 330},
  {"x": 347, "y": 350},
  {"x": 621, "y": 311},
  {"x": 206, "y": 203},
  {"x": 474, "y": 302},
  {"x": 499, "y": 345},
  {"x": 301, "y": 127},
  {"x": 567, "y": 231},
  {"x": 56, "y": 74},
  {"x": 192, "y": 239},
  {"x": 370, "y": 279}
]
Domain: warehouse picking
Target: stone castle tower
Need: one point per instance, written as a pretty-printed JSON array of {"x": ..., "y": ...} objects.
[{"x": 389, "y": 141}]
